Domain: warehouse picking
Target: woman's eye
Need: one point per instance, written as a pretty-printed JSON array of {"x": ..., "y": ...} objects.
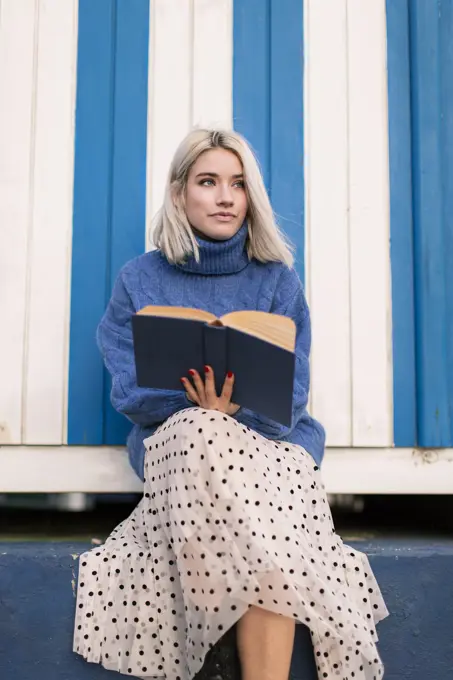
[{"x": 209, "y": 182}]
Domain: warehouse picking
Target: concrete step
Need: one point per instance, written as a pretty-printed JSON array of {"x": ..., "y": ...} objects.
[{"x": 37, "y": 598}]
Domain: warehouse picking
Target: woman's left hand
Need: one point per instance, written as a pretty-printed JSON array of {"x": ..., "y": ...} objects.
[{"x": 204, "y": 393}]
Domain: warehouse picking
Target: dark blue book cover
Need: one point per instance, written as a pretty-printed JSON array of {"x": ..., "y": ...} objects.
[{"x": 166, "y": 348}]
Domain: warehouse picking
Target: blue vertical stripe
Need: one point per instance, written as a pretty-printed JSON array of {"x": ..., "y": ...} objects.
[
  {"x": 286, "y": 114},
  {"x": 128, "y": 217},
  {"x": 251, "y": 77},
  {"x": 109, "y": 195},
  {"x": 401, "y": 224},
  {"x": 91, "y": 221},
  {"x": 447, "y": 185},
  {"x": 268, "y": 102},
  {"x": 432, "y": 111}
]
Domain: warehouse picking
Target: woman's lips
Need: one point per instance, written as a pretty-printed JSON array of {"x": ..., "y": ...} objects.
[{"x": 224, "y": 217}]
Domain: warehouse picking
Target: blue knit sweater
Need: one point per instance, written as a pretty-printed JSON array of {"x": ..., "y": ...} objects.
[{"x": 224, "y": 280}]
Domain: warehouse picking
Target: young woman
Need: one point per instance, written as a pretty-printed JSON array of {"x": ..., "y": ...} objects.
[{"x": 234, "y": 526}]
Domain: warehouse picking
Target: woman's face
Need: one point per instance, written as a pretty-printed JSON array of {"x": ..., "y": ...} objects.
[{"x": 216, "y": 201}]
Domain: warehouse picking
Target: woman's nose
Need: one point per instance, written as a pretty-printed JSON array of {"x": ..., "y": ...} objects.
[{"x": 225, "y": 196}]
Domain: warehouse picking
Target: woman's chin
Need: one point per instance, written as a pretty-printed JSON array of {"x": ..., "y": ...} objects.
[{"x": 222, "y": 233}]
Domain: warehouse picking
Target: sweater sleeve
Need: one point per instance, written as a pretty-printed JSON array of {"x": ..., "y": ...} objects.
[
  {"x": 141, "y": 406},
  {"x": 289, "y": 301}
]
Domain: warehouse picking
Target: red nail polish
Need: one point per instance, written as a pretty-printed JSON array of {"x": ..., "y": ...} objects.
[
  {"x": 230, "y": 374},
  {"x": 206, "y": 369},
  {"x": 192, "y": 372},
  {"x": 182, "y": 380}
]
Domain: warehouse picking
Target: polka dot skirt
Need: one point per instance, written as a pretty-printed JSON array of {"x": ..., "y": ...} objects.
[{"x": 228, "y": 519}]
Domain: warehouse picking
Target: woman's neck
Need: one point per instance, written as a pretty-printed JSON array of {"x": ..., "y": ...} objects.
[
  {"x": 205, "y": 237},
  {"x": 219, "y": 257}
]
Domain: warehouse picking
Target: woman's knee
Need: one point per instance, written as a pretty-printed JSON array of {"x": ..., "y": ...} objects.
[{"x": 192, "y": 441}]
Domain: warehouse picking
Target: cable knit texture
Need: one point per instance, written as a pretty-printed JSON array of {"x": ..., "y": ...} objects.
[{"x": 224, "y": 280}]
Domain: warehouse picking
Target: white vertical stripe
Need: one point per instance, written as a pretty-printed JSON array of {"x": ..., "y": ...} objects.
[
  {"x": 327, "y": 254},
  {"x": 369, "y": 225},
  {"x": 17, "y": 90},
  {"x": 190, "y": 81},
  {"x": 170, "y": 93},
  {"x": 213, "y": 63},
  {"x": 51, "y": 228}
]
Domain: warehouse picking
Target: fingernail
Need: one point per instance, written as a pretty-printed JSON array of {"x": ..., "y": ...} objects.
[
  {"x": 230, "y": 374},
  {"x": 182, "y": 380},
  {"x": 192, "y": 372},
  {"x": 206, "y": 369}
]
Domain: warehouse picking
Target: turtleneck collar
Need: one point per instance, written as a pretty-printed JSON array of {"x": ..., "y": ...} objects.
[{"x": 220, "y": 257}]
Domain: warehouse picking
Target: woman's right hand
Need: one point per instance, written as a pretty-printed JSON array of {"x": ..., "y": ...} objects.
[{"x": 204, "y": 393}]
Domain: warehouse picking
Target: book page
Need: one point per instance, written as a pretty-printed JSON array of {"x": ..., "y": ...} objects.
[
  {"x": 178, "y": 313},
  {"x": 274, "y": 328}
]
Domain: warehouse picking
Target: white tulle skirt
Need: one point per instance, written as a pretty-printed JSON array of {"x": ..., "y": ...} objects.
[{"x": 228, "y": 519}]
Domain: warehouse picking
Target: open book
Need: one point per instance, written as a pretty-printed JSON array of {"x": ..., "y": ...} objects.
[{"x": 258, "y": 347}]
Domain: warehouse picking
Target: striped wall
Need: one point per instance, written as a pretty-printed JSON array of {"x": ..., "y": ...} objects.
[
  {"x": 109, "y": 194},
  {"x": 431, "y": 53},
  {"x": 420, "y": 56},
  {"x": 38, "y": 54},
  {"x": 347, "y": 224},
  {"x": 100, "y": 93},
  {"x": 254, "y": 44},
  {"x": 402, "y": 254}
]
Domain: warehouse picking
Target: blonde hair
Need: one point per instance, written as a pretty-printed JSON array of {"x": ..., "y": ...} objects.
[{"x": 172, "y": 232}]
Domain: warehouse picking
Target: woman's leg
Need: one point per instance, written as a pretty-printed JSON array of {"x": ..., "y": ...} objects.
[{"x": 265, "y": 644}]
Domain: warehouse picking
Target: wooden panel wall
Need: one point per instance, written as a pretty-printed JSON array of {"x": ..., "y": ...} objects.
[
  {"x": 37, "y": 85},
  {"x": 255, "y": 85},
  {"x": 347, "y": 220}
]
